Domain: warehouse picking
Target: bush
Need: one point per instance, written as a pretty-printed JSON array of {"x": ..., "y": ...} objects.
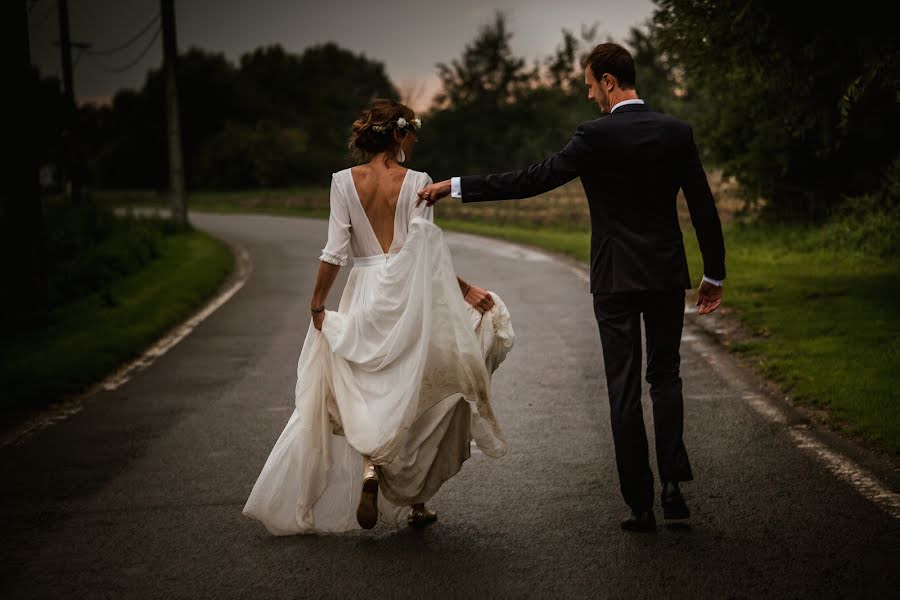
[
  {"x": 871, "y": 223},
  {"x": 89, "y": 248},
  {"x": 240, "y": 157}
]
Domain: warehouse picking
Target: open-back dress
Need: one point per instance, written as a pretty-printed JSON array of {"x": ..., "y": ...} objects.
[{"x": 400, "y": 373}]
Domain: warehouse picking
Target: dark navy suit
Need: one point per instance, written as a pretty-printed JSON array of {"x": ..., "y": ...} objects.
[{"x": 632, "y": 163}]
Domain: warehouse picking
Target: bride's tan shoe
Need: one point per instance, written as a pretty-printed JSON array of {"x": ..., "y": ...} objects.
[
  {"x": 421, "y": 516},
  {"x": 367, "y": 511}
]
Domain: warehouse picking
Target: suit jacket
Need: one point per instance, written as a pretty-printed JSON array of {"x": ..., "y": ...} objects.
[{"x": 632, "y": 163}]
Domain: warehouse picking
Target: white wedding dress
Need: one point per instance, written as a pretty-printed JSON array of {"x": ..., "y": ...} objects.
[{"x": 400, "y": 373}]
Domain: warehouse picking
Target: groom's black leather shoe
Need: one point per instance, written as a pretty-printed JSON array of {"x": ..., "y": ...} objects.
[
  {"x": 641, "y": 521},
  {"x": 673, "y": 504}
]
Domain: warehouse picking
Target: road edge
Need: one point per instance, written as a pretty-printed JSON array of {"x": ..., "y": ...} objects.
[{"x": 60, "y": 411}]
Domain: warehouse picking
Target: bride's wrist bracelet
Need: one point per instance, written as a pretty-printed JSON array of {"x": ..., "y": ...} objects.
[{"x": 316, "y": 309}]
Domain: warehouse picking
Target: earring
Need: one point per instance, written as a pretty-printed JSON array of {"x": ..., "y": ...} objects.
[{"x": 401, "y": 156}]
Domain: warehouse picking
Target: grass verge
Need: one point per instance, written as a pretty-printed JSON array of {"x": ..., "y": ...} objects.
[
  {"x": 85, "y": 340},
  {"x": 826, "y": 324}
]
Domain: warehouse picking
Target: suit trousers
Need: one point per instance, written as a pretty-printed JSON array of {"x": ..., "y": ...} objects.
[{"x": 619, "y": 318}]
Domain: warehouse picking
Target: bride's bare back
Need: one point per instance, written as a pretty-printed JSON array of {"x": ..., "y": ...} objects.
[{"x": 378, "y": 188}]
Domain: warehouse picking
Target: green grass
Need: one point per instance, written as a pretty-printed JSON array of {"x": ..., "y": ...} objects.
[
  {"x": 85, "y": 340},
  {"x": 824, "y": 318},
  {"x": 571, "y": 243},
  {"x": 826, "y": 323}
]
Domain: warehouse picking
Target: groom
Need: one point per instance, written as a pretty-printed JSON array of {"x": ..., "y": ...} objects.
[{"x": 632, "y": 163}]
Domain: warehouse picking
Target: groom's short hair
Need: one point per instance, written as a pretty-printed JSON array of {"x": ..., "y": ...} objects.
[{"x": 613, "y": 59}]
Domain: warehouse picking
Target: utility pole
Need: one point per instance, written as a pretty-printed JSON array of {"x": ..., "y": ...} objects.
[
  {"x": 173, "y": 124},
  {"x": 73, "y": 159},
  {"x": 21, "y": 215}
]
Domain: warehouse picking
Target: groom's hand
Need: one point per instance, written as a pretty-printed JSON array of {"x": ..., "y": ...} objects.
[
  {"x": 709, "y": 297},
  {"x": 434, "y": 192}
]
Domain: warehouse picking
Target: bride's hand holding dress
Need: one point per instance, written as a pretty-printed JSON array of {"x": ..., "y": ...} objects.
[{"x": 479, "y": 298}]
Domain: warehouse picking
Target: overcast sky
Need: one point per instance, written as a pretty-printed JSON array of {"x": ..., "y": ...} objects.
[{"x": 408, "y": 37}]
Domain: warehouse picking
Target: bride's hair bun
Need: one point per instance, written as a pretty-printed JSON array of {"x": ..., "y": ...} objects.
[{"x": 366, "y": 140}]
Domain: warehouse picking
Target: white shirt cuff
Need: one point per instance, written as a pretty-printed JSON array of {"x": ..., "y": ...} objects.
[
  {"x": 334, "y": 259},
  {"x": 715, "y": 282},
  {"x": 455, "y": 188}
]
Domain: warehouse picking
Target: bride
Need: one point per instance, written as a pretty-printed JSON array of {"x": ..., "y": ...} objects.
[{"x": 393, "y": 386}]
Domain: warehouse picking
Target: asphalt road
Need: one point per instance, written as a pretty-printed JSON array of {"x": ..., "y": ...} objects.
[{"x": 139, "y": 495}]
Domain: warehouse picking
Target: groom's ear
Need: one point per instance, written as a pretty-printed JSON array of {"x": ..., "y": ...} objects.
[{"x": 609, "y": 82}]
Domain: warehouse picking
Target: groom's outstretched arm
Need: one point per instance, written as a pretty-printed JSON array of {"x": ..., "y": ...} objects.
[{"x": 536, "y": 179}]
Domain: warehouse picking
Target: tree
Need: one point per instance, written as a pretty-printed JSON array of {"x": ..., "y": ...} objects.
[
  {"x": 487, "y": 73},
  {"x": 337, "y": 85},
  {"x": 560, "y": 65},
  {"x": 801, "y": 114},
  {"x": 495, "y": 112},
  {"x": 236, "y": 117},
  {"x": 656, "y": 80}
]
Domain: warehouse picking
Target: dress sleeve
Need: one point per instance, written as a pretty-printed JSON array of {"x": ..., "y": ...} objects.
[
  {"x": 335, "y": 250},
  {"x": 423, "y": 210}
]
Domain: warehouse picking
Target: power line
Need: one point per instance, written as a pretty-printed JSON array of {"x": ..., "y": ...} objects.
[
  {"x": 81, "y": 52},
  {"x": 132, "y": 40},
  {"x": 81, "y": 47},
  {"x": 43, "y": 19},
  {"x": 124, "y": 68}
]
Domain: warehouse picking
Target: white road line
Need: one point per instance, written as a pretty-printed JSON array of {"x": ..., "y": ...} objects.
[
  {"x": 242, "y": 272},
  {"x": 765, "y": 408},
  {"x": 582, "y": 274},
  {"x": 63, "y": 410},
  {"x": 845, "y": 469},
  {"x": 496, "y": 247},
  {"x": 852, "y": 473}
]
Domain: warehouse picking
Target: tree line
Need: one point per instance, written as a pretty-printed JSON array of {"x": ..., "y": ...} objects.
[
  {"x": 273, "y": 119},
  {"x": 799, "y": 112}
]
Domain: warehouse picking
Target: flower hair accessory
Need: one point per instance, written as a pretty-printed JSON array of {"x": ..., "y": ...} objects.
[{"x": 401, "y": 123}]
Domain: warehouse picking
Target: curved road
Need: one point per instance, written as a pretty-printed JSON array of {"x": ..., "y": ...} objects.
[{"x": 139, "y": 495}]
